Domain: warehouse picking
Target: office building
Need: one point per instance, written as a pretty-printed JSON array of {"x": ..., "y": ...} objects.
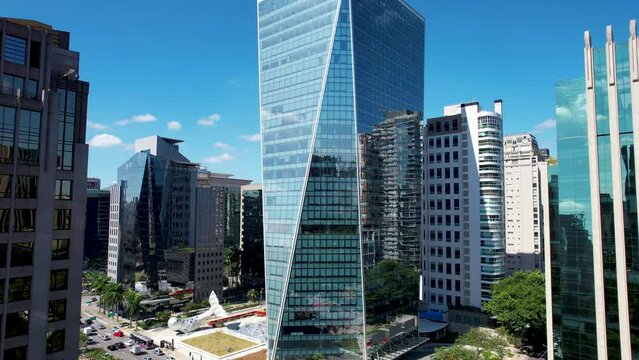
[
  {"x": 93, "y": 184},
  {"x": 252, "y": 237},
  {"x": 43, "y": 167},
  {"x": 212, "y": 222},
  {"x": 463, "y": 221},
  {"x": 524, "y": 211},
  {"x": 595, "y": 266},
  {"x": 398, "y": 145},
  {"x": 156, "y": 193},
  {"x": 329, "y": 72},
  {"x": 96, "y": 231}
]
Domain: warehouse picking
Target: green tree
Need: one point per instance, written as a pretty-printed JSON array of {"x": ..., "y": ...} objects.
[
  {"x": 83, "y": 340},
  {"x": 252, "y": 295},
  {"x": 518, "y": 302},
  {"x": 231, "y": 264},
  {"x": 391, "y": 287},
  {"x": 454, "y": 352},
  {"x": 113, "y": 296},
  {"x": 133, "y": 305},
  {"x": 163, "y": 316},
  {"x": 490, "y": 344}
]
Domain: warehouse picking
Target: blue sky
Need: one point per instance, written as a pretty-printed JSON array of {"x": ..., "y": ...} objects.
[{"x": 188, "y": 69}]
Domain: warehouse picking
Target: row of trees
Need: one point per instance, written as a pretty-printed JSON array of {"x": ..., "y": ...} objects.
[{"x": 114, "y": 296}]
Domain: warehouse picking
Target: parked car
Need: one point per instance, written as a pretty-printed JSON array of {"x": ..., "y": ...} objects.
[
  {"x": 112, "y": 347},
  {"x": 118, "y": 333},
  {"x": 136, "y": 349},
  {"x": 105, "y": 337},
  {"x": 129, "y": 342},
  {"x": 147, "y": 358},
  {"x": 101, "y": 327},
  {"x": 169, "y": 358},
  {"x": 94, "y": 299},
  {"x": 158, "y": 352},
  {"x": 90, "y": 341},
  {"x": 120, "y": 345}
]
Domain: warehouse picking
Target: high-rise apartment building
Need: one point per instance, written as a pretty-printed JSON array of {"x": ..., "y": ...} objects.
[
  {"x": 93, "y": 184},
  {"x": 96, "y": 232},
  {"x": 330, "y": 70},
  {"x": 252, "y": 237},
  {"x": 462, "y": 219},
  {"x": 594, "y": 250},
  {"x": 155, "y": 223},
  {"x": 213, "y": 218},
  {"x": 43, "y": 167},
  {"x": 523, "y": 206}
]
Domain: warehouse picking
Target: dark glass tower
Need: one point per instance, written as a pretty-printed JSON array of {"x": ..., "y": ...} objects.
[
  {"x": 330, "y": 70},
  {"x": 595, "y": 249}
]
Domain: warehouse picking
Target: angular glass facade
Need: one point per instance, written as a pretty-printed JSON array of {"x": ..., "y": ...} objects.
[
  {"x": 586, "y": 299},
  {"x": 157, "y": 215},
  {"x": 329, "y": 71}
]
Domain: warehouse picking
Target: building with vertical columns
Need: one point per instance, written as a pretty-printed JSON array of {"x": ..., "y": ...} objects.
[
  {"x": 523, "y": 208},
  {"x": 330, "y": 70},
  {"x": 595, "y": 270},
  {"x": 96, "y": 233},
  {"x": 252, "y": 237},
  {"x": 462, "y": 218},
  {"x": 43, "y": 167}
]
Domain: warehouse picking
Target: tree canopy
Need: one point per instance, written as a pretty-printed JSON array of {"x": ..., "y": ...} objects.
[
  {"x": 476, "y": 344},
  {"x": 390, "y": 287},
  {"x": 518, "y": 302}
]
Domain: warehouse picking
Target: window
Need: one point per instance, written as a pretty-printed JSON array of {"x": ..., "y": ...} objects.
[
  {"x": 55, "y": 341},
  {"x": 27, "y": 187},
  {"x": 29, "y": 137},
  {"x": 60, "y": 249},
  {"x": 446, "y": 142},
  {"x": 3, "y": 261},
  {"x": 455, "y": 156},
  {"x": 10, "y": 85},
  {"x": 62, "y": 219},
  {"x": 20, "y": 288},
  {"x": 7, "y": 125},
  {"x": 4, "y": 220},
  {"x": 24, "y": 220},
  {"x": 34, "y": 56},
  {"x": 456, "y": 172},
  {"x": 22, "y": 254},
  {"x": 15, "y": 50},
  {"x": 58, "y": 279},
  {"x": 32, "y": 89},
  {"x": 16, "y": 353},
  {"x": 66, "y": 126},
  {"x": 63, "y": 189},
  {"x": 5, "y": 186},
  {"x": 57, "y": 310},
  {"x": 456, "y": 188}
]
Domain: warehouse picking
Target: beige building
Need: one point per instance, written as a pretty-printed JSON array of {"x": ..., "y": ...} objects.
[{"x": 523, "y": 199}]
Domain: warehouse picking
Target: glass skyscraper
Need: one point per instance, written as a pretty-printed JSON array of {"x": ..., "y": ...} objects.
[
  {"x": 594, "y": 248},
  {"x": 330, "y": 70}
]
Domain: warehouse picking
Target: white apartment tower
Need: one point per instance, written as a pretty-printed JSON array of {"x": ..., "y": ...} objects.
[
  {"x": 462, "y": 202},
  {"x": 524, "y": 210}
]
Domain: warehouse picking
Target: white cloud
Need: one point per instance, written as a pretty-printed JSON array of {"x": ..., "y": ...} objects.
[
  {"x": 221, "y": 145},
  {"x": 174, "y": 125},
  {"x": 216, "y": 159},
  {"x": 545, "y": 125},
  {"x": 142, "y": 118},
  {"x": 571, "y": 206},
  {"x": 252, "y": 137},
  {"x": 209, "y": 120},
  {"x": 96, "y": 126},
  {"x": 105, "y": 141},
  {"x": 563, "y": 111}
]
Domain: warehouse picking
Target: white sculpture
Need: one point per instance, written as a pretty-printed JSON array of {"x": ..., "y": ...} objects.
[{"x": 188, "y": 325}]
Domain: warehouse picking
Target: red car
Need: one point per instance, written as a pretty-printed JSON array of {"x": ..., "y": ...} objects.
[{"x": 118, "y": 333}]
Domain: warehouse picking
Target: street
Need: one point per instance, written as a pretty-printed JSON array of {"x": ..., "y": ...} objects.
[{"x": 89, "y": 310}]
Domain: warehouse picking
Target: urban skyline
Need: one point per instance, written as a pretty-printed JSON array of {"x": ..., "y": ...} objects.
[{"x": 517, "y": 68}]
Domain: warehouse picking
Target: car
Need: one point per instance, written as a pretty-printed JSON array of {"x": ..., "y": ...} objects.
[
  {"x": 123, "y": 324},
  {"x": 118, "y": 333},
  {"x": 94, "y": 299},
  {"x": 169, "y": 358},
  {"x": 90, "y": 341},
  {"x": 147, "y": 358},
  {"x": 158, "y": 352},
  {"x": 129, "y": 342},
  {"x": 101, "y": 327},
  {"x": 105, "y": 337},
  {"x": 120, "y": 345},
  {"x": 112, "y": 347}
]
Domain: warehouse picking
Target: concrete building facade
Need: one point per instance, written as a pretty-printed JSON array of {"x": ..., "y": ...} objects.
[
  {"x": 43, "y": 167},
  {"x": 462, "y": 216},
  {"x": 523, "y": 203}
]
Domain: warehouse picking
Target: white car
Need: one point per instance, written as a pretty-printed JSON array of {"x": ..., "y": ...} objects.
[
  {"x": 129, "y": 342},
  {"x": 105, "y": 337},
  {"x": 169, "y": 358},
  {"x": 101, "y": 327}
]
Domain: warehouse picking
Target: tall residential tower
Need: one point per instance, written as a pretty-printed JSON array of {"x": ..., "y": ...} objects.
[
  {"x": 43, "y": 174},
  {"x": 463, "y": 218},
  {"x": 330, "y": 70}
]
